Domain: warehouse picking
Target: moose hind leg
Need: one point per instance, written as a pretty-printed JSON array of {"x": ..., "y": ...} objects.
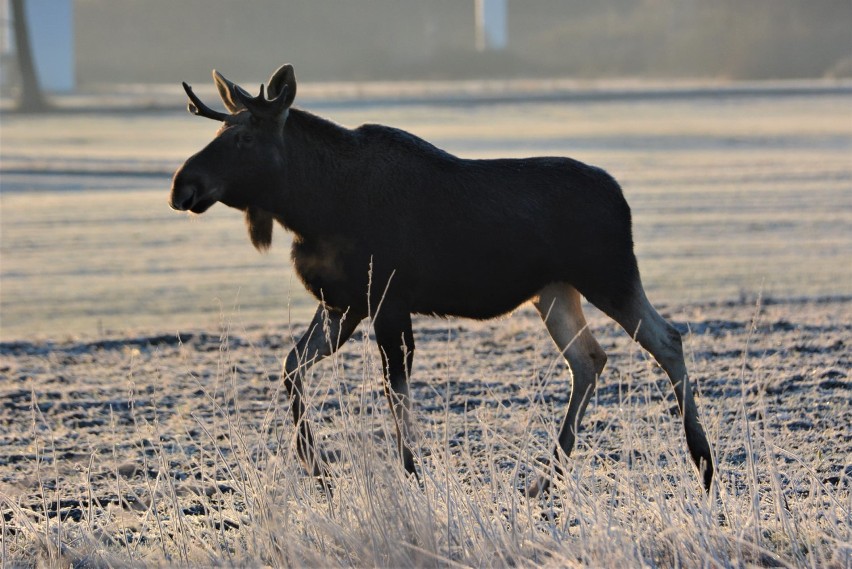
[
  {"x": 560, "y": 309},
  {"x": 328, "y": 330},
  {"x": 396, "y": 344},
  {"x": 641, "y": 320}
]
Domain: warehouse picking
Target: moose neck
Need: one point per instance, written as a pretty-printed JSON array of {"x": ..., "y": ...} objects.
[{"x": 318, "y": 164}]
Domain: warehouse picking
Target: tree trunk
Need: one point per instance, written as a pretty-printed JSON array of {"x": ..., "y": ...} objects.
[{"x": 30, "y": 98}]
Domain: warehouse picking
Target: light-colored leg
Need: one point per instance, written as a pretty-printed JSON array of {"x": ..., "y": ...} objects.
[
  {"x": 663, "y": 341},
  {"x": 559, "y": 307}
]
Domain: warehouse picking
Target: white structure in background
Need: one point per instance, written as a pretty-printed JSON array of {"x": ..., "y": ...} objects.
[
  {"x": 51, "y": 26},
  {"x": 491, "y": 25}
]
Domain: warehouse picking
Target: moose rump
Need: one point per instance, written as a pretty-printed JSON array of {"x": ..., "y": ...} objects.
[{"x": 385, "y": 225}]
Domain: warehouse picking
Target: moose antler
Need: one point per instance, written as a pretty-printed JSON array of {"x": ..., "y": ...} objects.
[
  {"x": 196, "y": 107},
  {"x": 260, "y": 106}
]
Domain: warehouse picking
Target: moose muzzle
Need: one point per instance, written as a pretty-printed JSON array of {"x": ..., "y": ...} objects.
[{"x": 190, "y": 195}]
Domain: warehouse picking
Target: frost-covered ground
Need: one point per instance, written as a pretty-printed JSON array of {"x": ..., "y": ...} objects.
[
  {"x": 732, "y": 196},
  {"x": 140, "y": 421},
  {"x": 179, "y": 449}
]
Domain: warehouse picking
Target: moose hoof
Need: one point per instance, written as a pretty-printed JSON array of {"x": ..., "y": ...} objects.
[
  {"x": 322, "y": 478},
  {"x": 705, "y": 469},
  {"x": 324, "y": 484},
  {"x": 539, "y": 486}
]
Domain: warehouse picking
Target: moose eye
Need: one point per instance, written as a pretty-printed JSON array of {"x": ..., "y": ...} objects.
[{"x": 245, "y": 139}]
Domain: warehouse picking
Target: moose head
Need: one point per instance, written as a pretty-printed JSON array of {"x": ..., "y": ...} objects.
[{"x": 243, "y": 163}]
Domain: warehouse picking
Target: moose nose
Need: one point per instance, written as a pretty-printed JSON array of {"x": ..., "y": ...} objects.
[
  {"x": 183, "y": 197},
  {"x": 192, "y": 191}
]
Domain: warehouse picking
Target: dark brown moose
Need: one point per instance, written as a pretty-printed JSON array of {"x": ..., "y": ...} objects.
[{"x": 386, "y": 225}]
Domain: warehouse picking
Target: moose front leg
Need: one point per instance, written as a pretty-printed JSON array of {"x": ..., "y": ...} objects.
[
  {"x": 396, "y": 344},
  {"x": 328, "y": 330}
]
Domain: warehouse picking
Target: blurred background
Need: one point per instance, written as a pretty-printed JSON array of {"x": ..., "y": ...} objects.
[
  {"x": 160, "y": 40},
  {"x": 728, "y": 124},
  {"x": 163, "y": 41}
]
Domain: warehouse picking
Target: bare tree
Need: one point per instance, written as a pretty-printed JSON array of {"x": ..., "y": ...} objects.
[{"x": 30, "y": 98}]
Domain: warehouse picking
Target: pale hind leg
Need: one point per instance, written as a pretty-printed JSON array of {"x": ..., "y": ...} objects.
[
  {"x": 559, "y": 307},
  {"x": 641, "y": 320}
]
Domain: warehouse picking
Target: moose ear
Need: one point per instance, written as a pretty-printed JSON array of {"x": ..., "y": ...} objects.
[
  {"x": 226, "y": 91},
  {"x": 259, "y": 223},
  {"x": 283, "y": 78}
]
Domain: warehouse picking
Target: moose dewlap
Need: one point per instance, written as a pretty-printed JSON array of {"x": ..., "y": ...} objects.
[{"x": 380, "y": 217}]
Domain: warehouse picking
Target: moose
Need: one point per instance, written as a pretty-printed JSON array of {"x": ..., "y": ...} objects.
[{"x": 386, "y": 225}]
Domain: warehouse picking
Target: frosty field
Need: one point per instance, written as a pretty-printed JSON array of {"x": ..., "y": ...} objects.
[
  {"x": 140, "y": 415},
  {"x": 731, "y": 197}
]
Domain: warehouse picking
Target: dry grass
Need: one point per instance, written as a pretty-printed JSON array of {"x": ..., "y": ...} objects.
[{"x": 190, "y": 461}]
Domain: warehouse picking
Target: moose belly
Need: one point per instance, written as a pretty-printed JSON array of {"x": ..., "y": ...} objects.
[
  {"x": 474, "y": 285},
  {"x": 478, "y": 288}
]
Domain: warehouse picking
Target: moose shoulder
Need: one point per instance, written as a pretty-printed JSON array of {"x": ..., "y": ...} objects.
[{"x": 380, "y": 216}]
